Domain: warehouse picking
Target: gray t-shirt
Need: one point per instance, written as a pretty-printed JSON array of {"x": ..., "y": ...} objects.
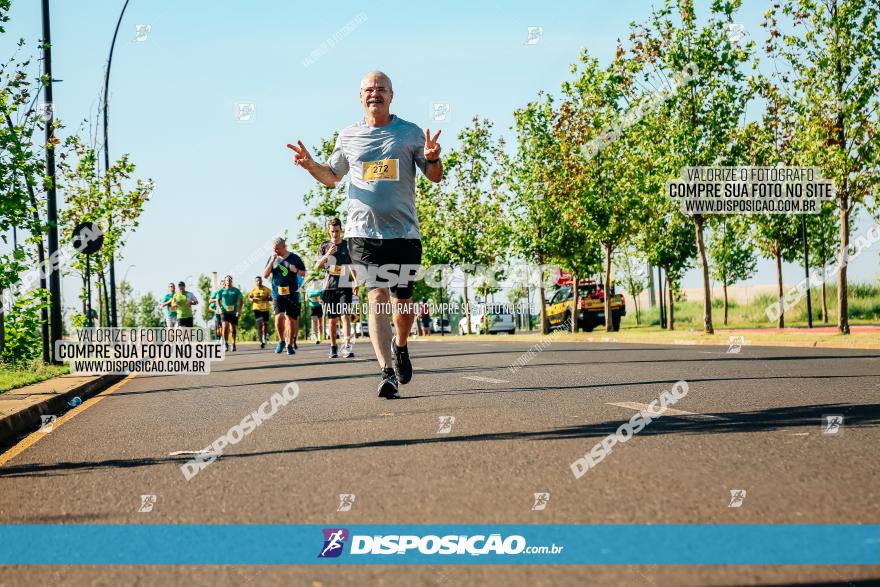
[{"x": 382, "y": 186}]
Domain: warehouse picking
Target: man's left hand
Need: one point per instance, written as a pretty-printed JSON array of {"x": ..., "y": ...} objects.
[{"x": 432, "y": 149}]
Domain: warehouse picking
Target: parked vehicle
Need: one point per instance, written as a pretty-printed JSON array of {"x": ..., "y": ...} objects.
[
  {"x": 499, "y": 321},
  {"x": 591, "y": 313},
  {"x": 435, "y": 325}
]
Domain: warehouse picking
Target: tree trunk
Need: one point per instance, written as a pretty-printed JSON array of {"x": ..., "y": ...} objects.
[
  {"x": 467, "y": 308},
  {"x": 651, "y": 300},
  {"x": 824, "y": 304},
  {"x": 85, "y": 300},
  {"x": 636, "y": 305},
  {"x": 670, "y": 310},
  {"x": 661, "y": 297},
  {"x": 609, "y": 319},
  {"x": 2, "y": 323},
  {"x": 780, "y": 321},
  {"x": 545, "y": 327},
  {"x": 529, "y": 305},
  {"x": 107, "y": 315},
  {"x": 574, "y": 310},
  {"x": 725, "y": 303},
  {"x": 842, "y": 303},
  {"x": 100, "y": 307},
  {"x": 704, "y": 266}
]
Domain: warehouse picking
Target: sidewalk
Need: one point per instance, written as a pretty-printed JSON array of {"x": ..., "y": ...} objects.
[{"x": 20, "y": 409}]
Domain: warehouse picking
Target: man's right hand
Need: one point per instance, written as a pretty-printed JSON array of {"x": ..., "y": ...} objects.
[
  {"x": 331, "y": 250},
  {"x": 301, "y": 156}
]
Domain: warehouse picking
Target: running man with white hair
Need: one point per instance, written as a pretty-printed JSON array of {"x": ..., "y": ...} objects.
[{"x": 380, "y": 154}]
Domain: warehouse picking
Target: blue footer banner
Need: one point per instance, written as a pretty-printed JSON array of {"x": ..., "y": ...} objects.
[{"x": 607, "y": 544}]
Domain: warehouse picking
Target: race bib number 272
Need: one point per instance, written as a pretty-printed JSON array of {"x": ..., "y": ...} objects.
[{"x": 384, "y": 170}]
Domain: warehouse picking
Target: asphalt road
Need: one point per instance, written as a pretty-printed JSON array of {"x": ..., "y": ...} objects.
[{"x": 751, "y": 421}]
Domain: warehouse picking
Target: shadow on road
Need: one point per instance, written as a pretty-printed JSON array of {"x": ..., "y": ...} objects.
[{"x": 768, "y": 420}]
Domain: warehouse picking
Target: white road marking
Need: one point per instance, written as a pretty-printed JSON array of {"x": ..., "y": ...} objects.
[
  {"x": 486, "y": 379},
  {"x": 669, "y": 411},
  {"x": 202, "y": 452}
]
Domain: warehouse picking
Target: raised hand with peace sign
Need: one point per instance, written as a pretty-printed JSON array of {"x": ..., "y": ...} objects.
[
  {"x": 301, "y": 156},
  {"x": 320, "y": 172},
  {"x": 432, "y": 149}
]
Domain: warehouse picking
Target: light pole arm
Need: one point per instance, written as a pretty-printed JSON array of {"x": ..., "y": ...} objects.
[{"x": 107, "y": 164}]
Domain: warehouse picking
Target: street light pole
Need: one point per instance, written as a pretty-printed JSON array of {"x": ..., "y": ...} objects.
[
  {"x": 107, "y": 166},
  {"x": 55, "y": 316}
]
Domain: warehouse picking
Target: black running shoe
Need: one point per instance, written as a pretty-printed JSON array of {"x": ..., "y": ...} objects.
[
  {"x": 402, "y": 366},
  {"x": 333, "y": 353},
  {"x": 388, "y": 387}
]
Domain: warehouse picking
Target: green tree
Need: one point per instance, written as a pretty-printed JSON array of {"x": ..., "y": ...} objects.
[
  {"x": 149, "y": 314},
  {"x": 20, "y": 174},
  {"x": 732, "y": 253},
  {"x": 633, "y": 276},
  {"x": 822, "y": 235},
  {"x": 471, "y": 207},
  {"x": 530, "y": 179},
  {"x": 115, "y": 210},
  {"x": 701, "y": 113},
  {"x": 127, "y": 305},
  {"x": 667, "y": 242},
  {"x": 204, "y": 285},
  {"x": 602, "y": 198},
  {"x": 828, "y": 56}
]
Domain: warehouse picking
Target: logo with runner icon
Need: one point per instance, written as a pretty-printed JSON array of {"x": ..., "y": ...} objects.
[
  {"x": 346, "y": 501},
  {"x": 334, "y": 541},
  {"x": 832, "y": 424}
]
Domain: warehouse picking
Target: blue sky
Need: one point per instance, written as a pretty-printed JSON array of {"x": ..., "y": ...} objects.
[{"x": 224, "y": 187}]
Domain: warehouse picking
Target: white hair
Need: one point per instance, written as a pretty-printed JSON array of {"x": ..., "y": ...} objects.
[{"x": 381, "y": 74}]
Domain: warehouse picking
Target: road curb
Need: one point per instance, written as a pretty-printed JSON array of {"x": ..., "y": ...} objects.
[{"x": 27, "y": 419}]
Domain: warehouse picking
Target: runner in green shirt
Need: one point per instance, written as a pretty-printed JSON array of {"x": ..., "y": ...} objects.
[
  {"x": 314, "y": 295},
  {"x": 170, "y": 315},
  {"x": 182, "y": 304},
  {"x": 230, "y": 300}
]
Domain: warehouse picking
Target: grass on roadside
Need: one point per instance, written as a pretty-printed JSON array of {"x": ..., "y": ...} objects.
[
  {"x": 864, "y": 307},
  {"x": 12, "y": 377}
]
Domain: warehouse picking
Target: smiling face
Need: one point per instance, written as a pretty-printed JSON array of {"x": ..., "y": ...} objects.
[
  {"x": 171, "y": 287},
  {"x": 376, "y": 94},
  {"x": 227, "y": 282}
]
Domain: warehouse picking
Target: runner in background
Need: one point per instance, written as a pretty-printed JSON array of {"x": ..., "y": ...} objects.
[
  {"x": 425, "y": 312},
  {"x": 230, "y": 300},
  {"x": 313, "y": 293},
  {"x": 261, "y": 297},
  {"x": 218, "y": 324},
  {"x": 337, "y": 299},
  {"x": 285, "y": 268},
  {"x": 183, "y": 302},
  {"x": 170, "y": 314}
]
